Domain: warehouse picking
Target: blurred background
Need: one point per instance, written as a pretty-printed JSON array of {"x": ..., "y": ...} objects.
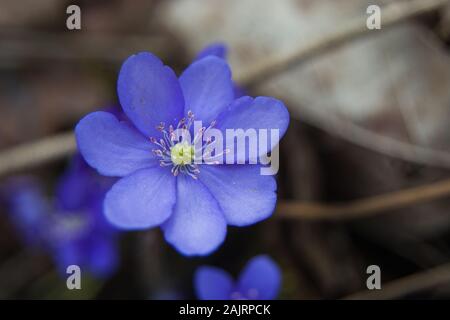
[{"x": 369, "y": 117}]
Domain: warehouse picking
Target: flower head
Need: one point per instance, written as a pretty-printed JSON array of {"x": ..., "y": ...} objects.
[
  {"x": 260, "y": 280},
  {"x": 160, "y": 183},
  {"x": 221, "y": 51},
  {"x": 214, "y": 49},
  {"x": 72, "y": 228}
]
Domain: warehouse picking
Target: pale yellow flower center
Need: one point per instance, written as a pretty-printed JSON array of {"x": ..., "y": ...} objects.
[{"x": 182, "y": 154}]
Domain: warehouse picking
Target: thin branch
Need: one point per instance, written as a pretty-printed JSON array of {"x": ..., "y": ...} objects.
[
  {"x": 49, "y": 149},
  {"x": 414, "y": 283},
  {"x": 347, "y": 130},
  {"x": 33, "y": 154},
  {"x": 392, "y": 14},
  {"x": 17, "y": 271},
  {"x": 365, "y": 207}
]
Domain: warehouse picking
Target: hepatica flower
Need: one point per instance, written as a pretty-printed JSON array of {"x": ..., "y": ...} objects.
[
  {"x": 221, "y": 51},
  {"x": 260, "y": 280},
  {"x": 215, "y": 49},
  {"x": 72, "y": 228},
  {"x": 161, "y": 183}
]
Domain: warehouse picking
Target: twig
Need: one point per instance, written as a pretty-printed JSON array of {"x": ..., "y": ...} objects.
[
  {"x": 414, "y": 283},
  {"x": 365, "y": 207},
  {"x": 385, "y": 145},
  {"x": 50, "y": 149},
  {"x": 392, "y": 14},
  {"x": 17, "y": 271},
  {"x": 33, "y": 154}
]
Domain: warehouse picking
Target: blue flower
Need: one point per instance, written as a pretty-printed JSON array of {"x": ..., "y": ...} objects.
[
  {"x": 26, "y": 207},
  {"x": 260, "y": 280},
  {"x": 217, "y": 49},
  {"x": 73, "y": 228},
  {"x": 221, "y": 51},
  {"x": 160, "y": 185}
]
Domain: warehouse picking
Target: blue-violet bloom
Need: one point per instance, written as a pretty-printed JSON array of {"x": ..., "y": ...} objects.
[
  {"x": 216, "y": 49},
  {"x": 72, "y": 228},
  {"x": 160, "y": 183},
  {"x": 219, "y": 50},
  {"x": 260, "y": 280}
]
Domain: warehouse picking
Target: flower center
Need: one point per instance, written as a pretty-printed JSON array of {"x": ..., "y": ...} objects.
[
  {"x": 252, "y": 294},
  {"x": 182, "y": 154},
  {"x": 173, "y": 150},
  {"x": 69, "y": 225}
]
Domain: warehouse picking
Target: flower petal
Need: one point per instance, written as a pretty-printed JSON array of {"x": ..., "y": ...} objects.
[
  {"x": 68, "y": 254},
  {"x": 244, "y": 195},
  {"x": 149, "y": 93},
  {"x": 212, "y": 284},
  {"x": 219, "y": 50},
  {"x": 28, "y": 209},
  {"x": 207, "y": 88},
  {"x": 74, "y": 185},
  {"x": 142, "y": 200},
  {"x": 197, "y": 226},
  {"x": 102, "y": 257},
  {"x": 260, "y": 279},
  {"x": 259, "y": 113},
  {"x": 113, "y": 148},
  {"x": 215, "y": 49}
]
